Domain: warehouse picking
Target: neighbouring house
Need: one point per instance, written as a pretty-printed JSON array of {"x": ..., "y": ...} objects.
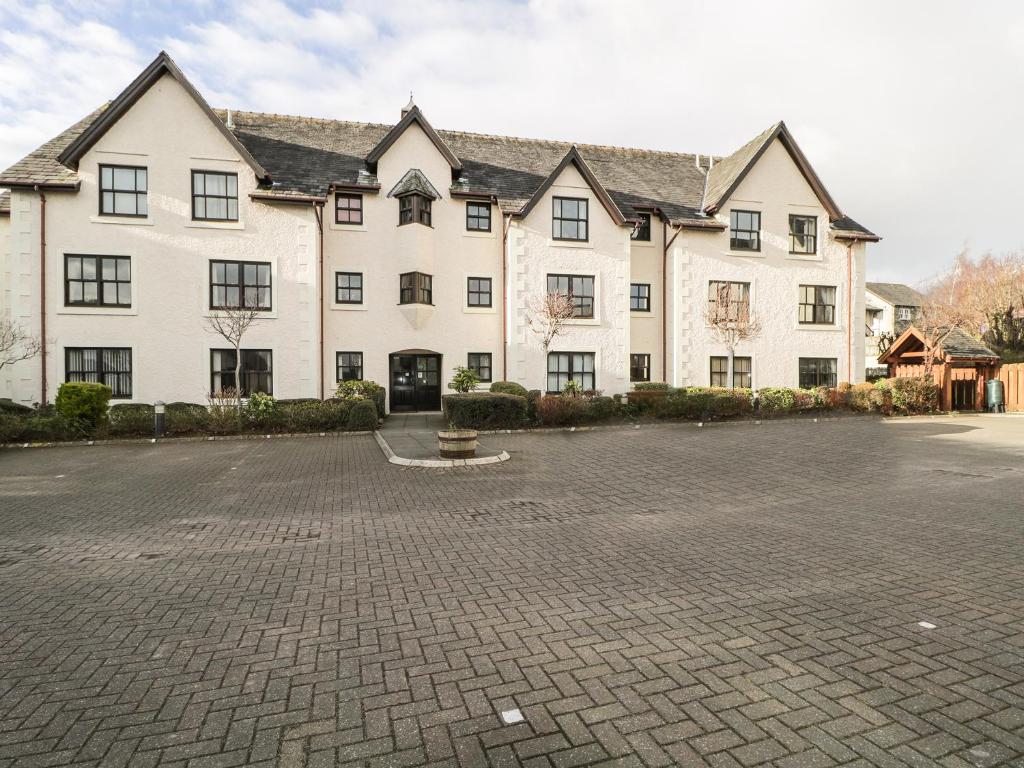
[
  {"x": 397, "y": 252},
  {"x": 961, "y": 365},
  {"x": 889, "y": 309}
]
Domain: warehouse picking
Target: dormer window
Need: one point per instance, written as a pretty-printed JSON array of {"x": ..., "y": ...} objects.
[{"x": 414, "y": 209}]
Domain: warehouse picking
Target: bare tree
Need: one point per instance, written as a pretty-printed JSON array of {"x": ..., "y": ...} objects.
[
  {"x": 17, "y": 344},
  {"x": 547, "y": 317},
  {"x": 231, "y": 324},
  {"x": 940, "y": 313},
  {"x": 728, "y": 316}
]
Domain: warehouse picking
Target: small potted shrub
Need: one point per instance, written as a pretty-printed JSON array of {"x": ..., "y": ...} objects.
[{"x": 455, "y": 443}]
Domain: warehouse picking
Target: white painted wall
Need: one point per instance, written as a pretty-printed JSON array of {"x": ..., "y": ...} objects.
[
  {"x": 382, "y": 250},
  {"x": 171, "y": 253},
  {"x": 534, "y": 254},
  {"x": 776, "y": 188},
  {"x": 170, "y": 260}
]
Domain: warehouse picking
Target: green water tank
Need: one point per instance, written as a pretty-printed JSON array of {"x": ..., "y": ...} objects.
[{"x": 994, "y": 396}]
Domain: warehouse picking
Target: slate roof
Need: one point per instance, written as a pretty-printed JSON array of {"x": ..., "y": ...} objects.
[
  {"x": 415, "y": 181},
  {"x": 41, "y": 165},
  {"x": 958, "y": 343},
  {"x": 304, "y": 157},
  {"x": 5, "y": 203},
  {"x": 896, "y": 294}
]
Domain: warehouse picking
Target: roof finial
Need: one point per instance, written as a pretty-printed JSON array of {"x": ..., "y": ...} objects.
[{"x": 409, "y": 107}]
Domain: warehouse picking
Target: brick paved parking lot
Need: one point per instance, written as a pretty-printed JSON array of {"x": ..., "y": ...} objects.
[{"x": 727, "y": 596}]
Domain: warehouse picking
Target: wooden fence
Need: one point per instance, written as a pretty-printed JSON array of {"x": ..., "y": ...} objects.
[{"x": 1011, "y": 374}]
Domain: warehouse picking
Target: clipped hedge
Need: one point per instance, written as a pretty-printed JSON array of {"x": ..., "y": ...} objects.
[
  {"x": 485, "y": 410},
  {"x": 509, "y": 388},
  {"x": 130, "y": 420},
  {"x": 571, "y": 411},
  {"x": 359, "y": 390},
  {"x": 83, "y": 402},
  {"x": 9, "y": 406},
  {"x": 911, "y": 395},
  {"x": 362, "y": 416}
]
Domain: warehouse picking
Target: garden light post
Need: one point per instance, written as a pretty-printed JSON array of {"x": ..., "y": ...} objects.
[{"x": 158, "y": 419}]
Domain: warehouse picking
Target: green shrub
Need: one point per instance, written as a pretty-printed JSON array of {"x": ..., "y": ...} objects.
[
  {"x": 651, "y": 386},
  {"x": 314, "y": 415},
  {"x": 572, "y": 388},
  {"x": 532, "y": 398},
  {"x": 260, "y": 406},
  {"x": 185, "y": 419},
  {"x": 464, "y": 380},
  {"x": 911, "y": 395},
  {"x": 772, "y": 400},
  {"x": 39, "y": 426},
  {"x": 130, "y": 420},
  {"x": 509, "y": 388},
  {"x": 485, "y": 410},
  {"x": 363, "y": 416},
  {"x": 867, "y": 398},
  {"x": 703, "y": 403},
  {"x": 9, "y": 406},
  {"x": 83, "y": 402},
  {"x": 358, "y": 390}
]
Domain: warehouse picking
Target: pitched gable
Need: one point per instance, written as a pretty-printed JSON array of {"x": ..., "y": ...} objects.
[
  {"x": 727, "y": 174},
  {"x": 413, "y": 115},
  {"x": 574, "y": 158},
  {"x": 161, "y": 65}
]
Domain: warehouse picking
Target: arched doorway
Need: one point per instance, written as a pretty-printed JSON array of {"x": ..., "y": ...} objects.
[{"x": 414, "y": 380}]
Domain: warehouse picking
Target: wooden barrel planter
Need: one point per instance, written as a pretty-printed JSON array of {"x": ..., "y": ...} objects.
[{"x": 457, "y": 443}]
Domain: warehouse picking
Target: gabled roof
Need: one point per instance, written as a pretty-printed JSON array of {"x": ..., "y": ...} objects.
[
  {"x": 953, "y": 344},
  {"x": 415, "y": 182},
  {"x": 729, "y": 172},
  {"x": 896, "y": 294},
  {"x": 5, "y": 203},
  {"x": 309, "y": 157},
  {"x": 161, "y": 65},
  {"x": 573, "y": 157},
  {"x": 411, "y": 116}
]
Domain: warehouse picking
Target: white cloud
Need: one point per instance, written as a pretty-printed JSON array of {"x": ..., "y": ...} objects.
[{"x": 909, "y": 111}]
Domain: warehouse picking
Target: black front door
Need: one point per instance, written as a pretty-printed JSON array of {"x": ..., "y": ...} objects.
[
  {"x": 964, "y": 391},
  {"x": 415, "y": 383}
]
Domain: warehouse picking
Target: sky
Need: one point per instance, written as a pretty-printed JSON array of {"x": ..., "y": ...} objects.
[{"x": 910, "y": 112}]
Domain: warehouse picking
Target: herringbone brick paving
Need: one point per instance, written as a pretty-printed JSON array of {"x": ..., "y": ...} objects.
[{"x": 733, "y": 596}]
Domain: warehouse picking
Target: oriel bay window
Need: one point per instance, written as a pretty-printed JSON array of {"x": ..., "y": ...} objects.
[
  {"x": 741, "y": 372},
  {"x": 239, "y": 285},
  {"x": 803, "y": 234},
  {"x": 480, "y": 364},
  {"x": 817, "y": 304},
  {"x": 348, "y": 287},
  {"x": 123, "y": 190},
  {"x": 414, "y": 209},
  {"x": 101, "y": 365},
  {"x": 745, "y": 230},
  {"x": 640, "y": 297},
  {"x": 350, "y": 366},
  {"x": 348, "y": 209},
  {"x": 569, "y": 218},
  {"x": 416, "y": 288},
  {"x": 478, "y": 217},
  {"x": 256, "y": 373},
  {"x": 580, "y": 288},
  {"x": 478, "y": 292},
  {"x": 564, "y": 367},
  {"x": 817, "y": 372},
  {"x": 639, "y": 367},
  {"x": 98, "y": 281},
  {"x": 214, "y": 196}
]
